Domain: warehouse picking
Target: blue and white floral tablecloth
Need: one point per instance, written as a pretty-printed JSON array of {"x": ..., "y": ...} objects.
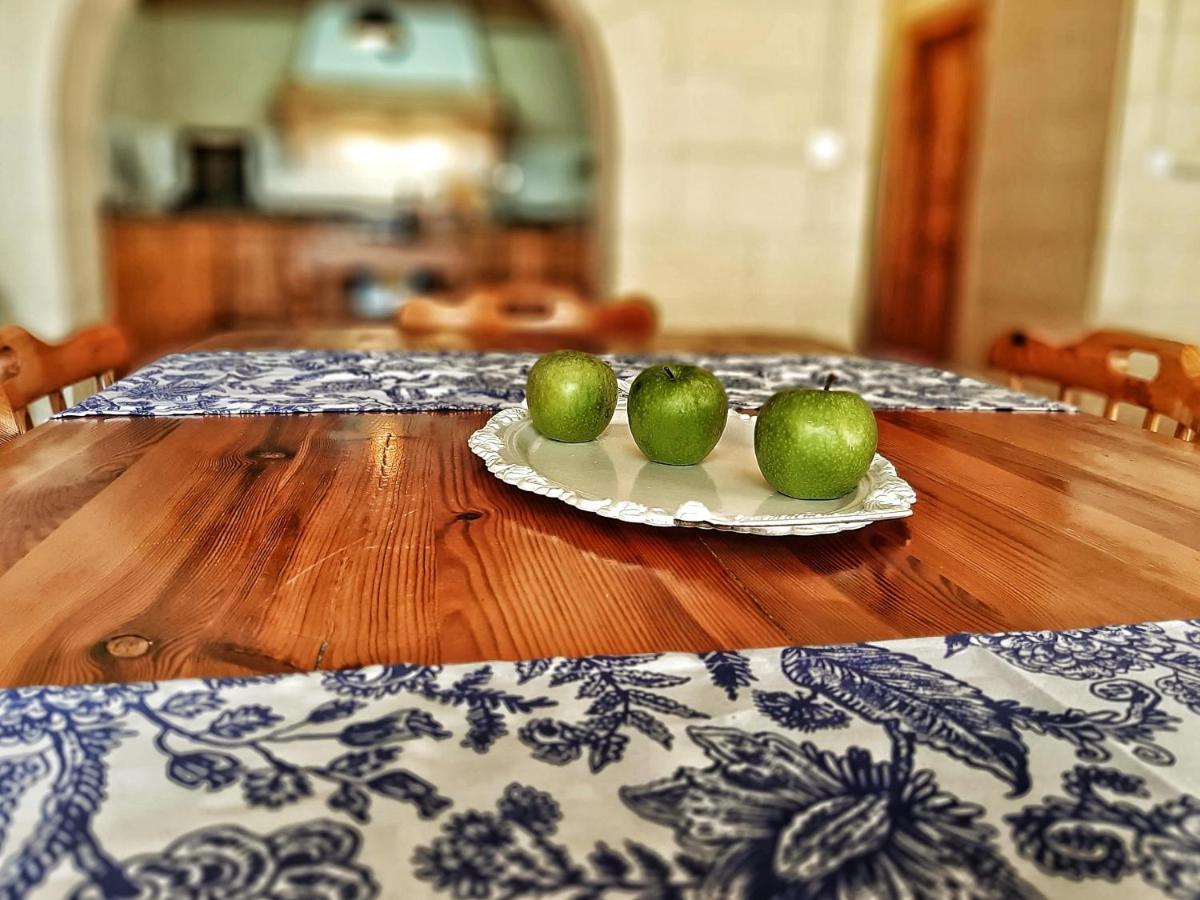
[
  {"x": 312, "y": 381},
  {"x": 998, "y": 766}
]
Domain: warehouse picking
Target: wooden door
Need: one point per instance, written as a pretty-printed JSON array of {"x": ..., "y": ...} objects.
[{"x": 927, "y": 164}]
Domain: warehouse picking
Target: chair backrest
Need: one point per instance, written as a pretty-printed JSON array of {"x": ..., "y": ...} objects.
[
  {"x": 1107, "y": 363},
  {"x": 31, "y": 369},
  {"x": 528, "y": 316},
  {"x": 8, "y": 417}
]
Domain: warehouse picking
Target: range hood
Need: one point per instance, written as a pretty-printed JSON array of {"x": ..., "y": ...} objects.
[{"x": 402, "y": 66}]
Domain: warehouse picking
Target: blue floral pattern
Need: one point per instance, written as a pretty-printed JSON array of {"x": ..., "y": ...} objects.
[
  {"x": 310, "y": 381},
  {"x": 771, "y": 818},
  {"x": 972, "y": 766},
  {"x": 310, "y": 859}
]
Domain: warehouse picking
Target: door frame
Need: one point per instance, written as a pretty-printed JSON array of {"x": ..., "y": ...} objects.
[{"x": 895, "y": 200}]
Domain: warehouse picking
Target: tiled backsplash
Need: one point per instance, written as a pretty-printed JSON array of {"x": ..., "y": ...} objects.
[
  {"x": 1150, "y": 273},
  {"x": 720, "y": 216}
]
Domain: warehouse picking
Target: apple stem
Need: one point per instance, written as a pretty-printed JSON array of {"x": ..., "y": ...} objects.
[
  {"x": 830, "y": 380},
  {"x": 670, "y": 374}
]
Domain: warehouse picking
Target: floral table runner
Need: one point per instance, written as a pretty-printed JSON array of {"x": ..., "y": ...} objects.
[
  {"x": 1001, "y": 766},
  {"x": 309, "y": 381}
]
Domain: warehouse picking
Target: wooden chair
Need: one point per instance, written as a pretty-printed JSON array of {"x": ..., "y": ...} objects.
[
  {"x": 1105, "y": 363},
  {"x": 527, "y": 316},
  {"x": 30, "y": 369}
]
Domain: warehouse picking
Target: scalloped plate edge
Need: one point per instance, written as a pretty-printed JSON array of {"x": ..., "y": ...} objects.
[{"x": 890, "y": 496}]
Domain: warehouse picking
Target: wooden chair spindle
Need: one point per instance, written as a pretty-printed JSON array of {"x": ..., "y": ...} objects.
[
  {"x": 1104, "y": 363},
  {"x": 31, "y": 369}
]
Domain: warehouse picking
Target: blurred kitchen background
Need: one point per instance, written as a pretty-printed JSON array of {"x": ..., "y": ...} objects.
[{"x": 904, "y": 176}]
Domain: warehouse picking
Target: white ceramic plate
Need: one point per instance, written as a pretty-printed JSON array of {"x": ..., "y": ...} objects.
[{"x": 610, "y": 477}]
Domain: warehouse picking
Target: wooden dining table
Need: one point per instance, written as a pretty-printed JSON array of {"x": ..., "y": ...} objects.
[{"x": 152, "y": 548}]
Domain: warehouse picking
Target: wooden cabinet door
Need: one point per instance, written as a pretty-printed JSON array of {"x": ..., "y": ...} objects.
[
  {"x": 253, "y": 290},
  {"x": 161, "y": 274}
]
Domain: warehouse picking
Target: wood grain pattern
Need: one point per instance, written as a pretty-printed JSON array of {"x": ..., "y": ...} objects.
[{"x": 278, "y": 543}]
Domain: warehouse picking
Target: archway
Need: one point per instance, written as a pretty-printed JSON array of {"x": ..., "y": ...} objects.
[
  {"x": 711, "y": 200},
  {"x": 87, "y": 52},
  {"x": 90, "y": 39}
]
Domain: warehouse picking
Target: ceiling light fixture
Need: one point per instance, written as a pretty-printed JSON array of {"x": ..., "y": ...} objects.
[{"x": 375, "y": 29}]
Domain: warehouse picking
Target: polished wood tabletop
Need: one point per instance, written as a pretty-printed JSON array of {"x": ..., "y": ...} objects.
[{"x": 163, "y": 547}]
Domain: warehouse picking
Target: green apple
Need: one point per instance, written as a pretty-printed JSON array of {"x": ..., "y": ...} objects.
[
  {"x": 571, "y": 396},
  {"x": 815, "y": 445},
  {"x": 677, "y": 413}
]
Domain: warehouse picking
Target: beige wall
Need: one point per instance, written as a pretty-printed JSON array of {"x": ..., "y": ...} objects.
[
  {"x": 1149, "y": 275},
  {"x": 1035, "y": 214},
  {"x": 1051, "y": 70},
  {"x": 89, "y": 45},
  {"x": 33, "y": 283},
  {"x": 50, "y": 54},
  {"x": 718, "y": 216},
  {"x": 717, "y": 213}
]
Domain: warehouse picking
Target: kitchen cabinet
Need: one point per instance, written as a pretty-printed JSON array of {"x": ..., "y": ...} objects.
[{"x": 175, "y": 278}]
